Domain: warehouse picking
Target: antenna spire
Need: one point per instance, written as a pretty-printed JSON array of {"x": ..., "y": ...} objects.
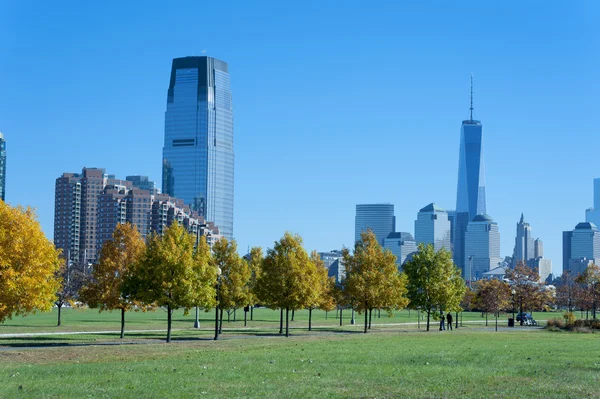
[{"x": 471, "y": 109}]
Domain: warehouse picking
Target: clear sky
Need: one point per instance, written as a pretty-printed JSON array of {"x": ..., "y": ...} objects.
[{"x": 335, "y": 104}]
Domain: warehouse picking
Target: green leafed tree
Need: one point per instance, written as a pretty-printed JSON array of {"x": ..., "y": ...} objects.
[
  {"x": 106, "y": 289},
  {"x": 287, "y": 277},
  {"x": 434, "y": 282},
  {"x": 372, "y": 278},
  {"x": 173, "y": 274},
  {"x": 235, "y": 276}
]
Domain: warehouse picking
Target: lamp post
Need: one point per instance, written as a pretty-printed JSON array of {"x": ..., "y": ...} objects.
[
  {"x": 513, "y": 292},
  {"x": 352, "y": 321},
  {"x": 197, "y": 322},
  {"x": 217, "y": 305}
]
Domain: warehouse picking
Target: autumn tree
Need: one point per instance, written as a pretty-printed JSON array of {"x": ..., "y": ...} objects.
[
  {"x": 589, "y": 281},
  {"x": 287, "y": 278},
  {"x": 107, "y": 288},
  {"x": 323, "y": 294},
  {"x": 173, "y": 274},
  {"x": 434, "y": 282},
  {"x": 566, "y": 291},
  {"x": 28, "y": 264},
  {"x": 254, "y": 260},
  {"x": 71, "y": 278},
  {"x": 524, "y": 282},
  {"x": 494, "y": 296},
  {"x": 235, "y": 276},
  {"x": 372, "y": 278}
]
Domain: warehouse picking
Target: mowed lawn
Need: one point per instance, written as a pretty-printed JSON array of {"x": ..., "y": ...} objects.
[{"x": 469, "y": 363}]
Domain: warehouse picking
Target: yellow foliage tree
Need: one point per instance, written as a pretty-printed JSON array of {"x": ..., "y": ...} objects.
[
  {"x": 254, "y": 259},
  {"x": 494, "y": 296},
  {"x": 107, "y": 289},
  {"x": 28, "y": 264},
  {"x": 372, "y": 278}
]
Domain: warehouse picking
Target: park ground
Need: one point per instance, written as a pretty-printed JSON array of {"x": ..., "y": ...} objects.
[{"x": 395, "y": 359}]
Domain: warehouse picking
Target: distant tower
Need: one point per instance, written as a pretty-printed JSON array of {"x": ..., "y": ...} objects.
[
  {"x": 482, "y": 246},
  {"x": 470, "y": 196},
  {"x": 377, "y": 217},
  {"x": 524, "y": 244},
  {"x": 2, "y": 168},
  {"x": 433, "y": 227}
]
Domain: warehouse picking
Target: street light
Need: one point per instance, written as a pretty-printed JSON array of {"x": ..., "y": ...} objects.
[
  {"x": 197, "y": 322},
  {"x": 217, "y": 305}
]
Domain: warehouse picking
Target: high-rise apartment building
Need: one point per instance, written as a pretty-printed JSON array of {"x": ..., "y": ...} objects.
[
  {"x": 198, "y": 156},
  {"x": 433, "y": 227},
  {"x": 581, "y": 247},
  {"x": 2, "y": 167},
  {"x": 401, "y": 244},
  {"x": 470, "y": 196},
  {"x": 379, "y": 218},
  {"x": 89, "y": 205},
  {"x": 482, "y": 247},
  {"x": 524, "y": 244}
]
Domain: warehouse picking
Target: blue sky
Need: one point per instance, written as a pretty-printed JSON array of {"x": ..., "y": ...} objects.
[{"x": 335, "y": 104}]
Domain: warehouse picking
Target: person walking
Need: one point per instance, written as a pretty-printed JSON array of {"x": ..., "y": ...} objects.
[
  {"x": 442, "y": 319},
  {"x": 449, "y": 319}
]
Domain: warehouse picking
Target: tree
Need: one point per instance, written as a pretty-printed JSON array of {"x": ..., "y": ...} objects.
[
  {"x": 525, "y": 284},
  {"x": 372, "y": 278},
  {"x": 235, "y": 275},
  {"x": 108, "y": 288},
  {"x": 565, "y": 291},
  {"x": 286, "y": 280},
  {"x": 71, "y": 277},
  {"x": 254, "y": 259},
  {"x": 322, "y": 296},
  {"x": 434, "y": 282},
  {"x": 494, "y": 296},
  {"x": 590, "y": 284},
  {"x": 28, "y": 264},
  {"x": 172, "y": 274}
]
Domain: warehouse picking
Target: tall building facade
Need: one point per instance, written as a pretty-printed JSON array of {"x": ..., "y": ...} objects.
[
  {"x": 89, "y": 205},
  {"x": 333, "y": 261},
  {"x": 482, "y": 247},
  {"x": 524, "y": 244},
  {"x": 2, "y": 167},
  {"x": 581, "y": 247},
  {"x": 198, "y": 156},
  {"x": 592, "y": 215},
  {"x": 377, "y": 217},
  {"x": 433, "y": 227},
  {"x": 401, "y": 244},
  {"x": 143, "y": 183},
  {"x": 470, "y": 196}
]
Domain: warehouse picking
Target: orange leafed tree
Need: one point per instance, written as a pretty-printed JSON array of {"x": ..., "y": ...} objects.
[
  {"x": 28, "y": 264},
  {"x": 107, "y": 288}
]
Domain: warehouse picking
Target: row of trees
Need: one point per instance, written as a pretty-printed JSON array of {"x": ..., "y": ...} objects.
[{"x": 580, "y": 292}]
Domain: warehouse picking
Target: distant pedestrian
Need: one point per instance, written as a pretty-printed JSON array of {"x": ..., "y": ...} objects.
[
  {"x": 442, "y": 318},
  {"x": 449, "y": 318}
]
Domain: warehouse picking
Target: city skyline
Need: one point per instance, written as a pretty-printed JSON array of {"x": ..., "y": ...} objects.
[{"x": 299, "y": 127}]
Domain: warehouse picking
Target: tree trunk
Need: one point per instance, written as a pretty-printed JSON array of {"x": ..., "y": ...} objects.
[
  {"x": 122, "y": 323},
  {"x": 309, "y": 319},
  {"x": 486, "y": 319},
  {"x": 59, "y": 320},
  {"x": 221, "y": 321},
  {"x": 521, "y": 313},
  {"x": 287, "y": 322},
  {"x": 280, "y": 320},
  {"x": 228, "y": 315},
  {"x": 366, "y": 318},
  {"x": 456, "y": 323},
  {"x": 379, "y": 313},
  {"x": 251, "y": 313},
  {"x": 341, "y": 313},
  {"x": 169, "y": 313},
  {"x": 234, "y": 315},
  {"x": 293, "y": 313},
  {"x": 428, "y": 314},
  {"x": 245, "y": 318},
  {"x": 370, "y": 317},
  {"x": 326, "y": 315},
  {"x": 496, "y": 321},
  {"x": 418, "y": 319}
]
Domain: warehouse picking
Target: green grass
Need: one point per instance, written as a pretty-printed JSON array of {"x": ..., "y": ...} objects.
[{"x": 468, "y": 363}]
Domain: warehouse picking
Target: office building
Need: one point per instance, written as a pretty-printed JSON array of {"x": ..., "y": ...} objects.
[
  {"x": 470, "y": 196},
  {"x": 379, "y": 218},
  {"x": 542, "y": 266},
  {"x": 581, "y": 247},
  {"x": 482, "y": 247},
  {"x": 2, "y": 167},
  {"x": 433, "y": 227},
  {"x": 538, "y": 248},
  {"x": 333, "y": 261},
  {"x": 401, "y": 244},
  {"x": 143, "y": 183},
  {"x": 592, "y": 215},
  {"x": 198, "y": 155},
  {"x": 524, "y": 244}
]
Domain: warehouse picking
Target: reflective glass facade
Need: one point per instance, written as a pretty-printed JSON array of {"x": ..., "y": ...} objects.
[
  {"x": 198, "y": 156},
  {"x": 2, "y": 168},
  {"x": 433, "y": 227},
  {"x": 377, "y": 217},
  {"x": 482, "y": 247}
]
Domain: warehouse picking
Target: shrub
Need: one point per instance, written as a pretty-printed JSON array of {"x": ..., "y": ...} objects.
[
  {"x": 555, "y": 322},
  {"x": 569, "y": 318}
]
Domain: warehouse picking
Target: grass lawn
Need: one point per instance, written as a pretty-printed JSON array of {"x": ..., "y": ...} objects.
[{"x": 468, "y": 363}]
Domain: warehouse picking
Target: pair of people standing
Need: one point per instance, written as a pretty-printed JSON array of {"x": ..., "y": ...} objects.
[{"x": 443, "y": 319}]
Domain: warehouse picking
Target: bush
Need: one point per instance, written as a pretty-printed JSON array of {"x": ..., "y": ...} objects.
[
  {"x": 556, "y": 323},
  {"x": 569, "y": 318}
]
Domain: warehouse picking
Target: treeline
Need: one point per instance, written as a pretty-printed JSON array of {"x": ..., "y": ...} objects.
[{"x": 170, "y": 272}]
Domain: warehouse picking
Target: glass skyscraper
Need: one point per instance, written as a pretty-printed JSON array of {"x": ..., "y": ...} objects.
[
  {"x": 2, "y": 168},
  {"x": 198, "y": 156},
  {"x": 377, "y": 217},
  {"x": 433, "y": 227},
  {"x": 470, "y": 196}
]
